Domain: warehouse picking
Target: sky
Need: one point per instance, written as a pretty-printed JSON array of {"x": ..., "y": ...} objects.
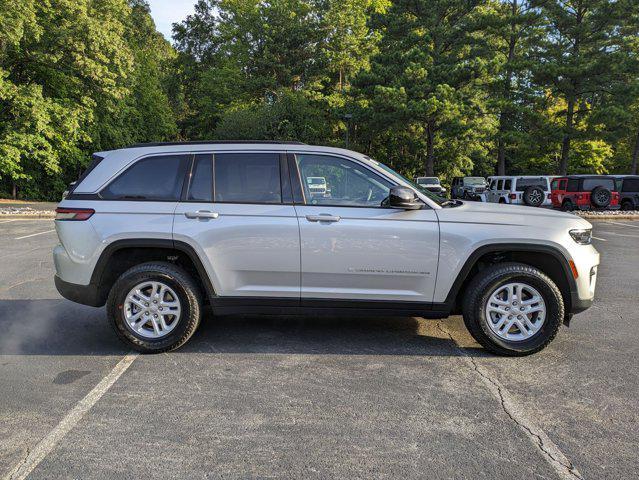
[{"x": 167, "y": 12}]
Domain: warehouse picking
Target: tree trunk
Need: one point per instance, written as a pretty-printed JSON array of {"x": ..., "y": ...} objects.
[
  {"x": 565, "y": 144},
  {"x": 504, "y": 117},
  {"x": 15, "y": 191},
  {"x": 429, "y": 167},
  {"x": 635, "y": 156}
]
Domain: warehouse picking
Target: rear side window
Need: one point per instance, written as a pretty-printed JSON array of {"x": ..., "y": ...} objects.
[
  {"x": 507, "y": 184},
  {"x": 523, "y": 183},
  {"x": 247, "y": 178},
  {"x": 591, "y": 183},
  {"x": 157, "y": 178},
  {"x": 573, "y": 185},
  {"x": 201, "y": 186},
  {"x": 630, "y": 185}
]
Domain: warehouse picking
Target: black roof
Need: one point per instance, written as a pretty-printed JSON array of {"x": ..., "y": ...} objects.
[{"x": 207, "y": 142}]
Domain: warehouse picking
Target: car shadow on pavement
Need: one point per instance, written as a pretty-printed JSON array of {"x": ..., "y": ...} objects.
[{"x": 60, "y": 327}]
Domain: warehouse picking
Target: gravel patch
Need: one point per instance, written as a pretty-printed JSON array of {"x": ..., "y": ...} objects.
[{"x": 25, "y": 212}]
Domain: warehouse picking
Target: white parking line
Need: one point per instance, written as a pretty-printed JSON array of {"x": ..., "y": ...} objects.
[
  {"x": 34, "y": 234},
  {"x": 48, "y": 443},
  {"x": 7, "y": 221},
  {"x": 624, "y": 224},
  {"x": 597, "y": 238}
]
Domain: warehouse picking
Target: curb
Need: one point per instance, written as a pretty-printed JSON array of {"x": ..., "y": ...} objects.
[{"x": 32, "y": 216}]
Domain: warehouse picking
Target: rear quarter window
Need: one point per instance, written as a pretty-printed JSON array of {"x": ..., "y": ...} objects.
[
  {"x": 158, "y": 178},
  {"x": 591, "y": 183},
  {"x": 523, "y": 183},
  {"x": 630, "y": 185}
]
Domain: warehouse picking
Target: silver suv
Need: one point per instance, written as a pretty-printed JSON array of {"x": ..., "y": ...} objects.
[{"x": 158, "y": 231}]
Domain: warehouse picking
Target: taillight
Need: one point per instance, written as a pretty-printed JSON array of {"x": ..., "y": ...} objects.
[
  {"x": 77, "y": 214},
  {"x": 512, "y": 196}
]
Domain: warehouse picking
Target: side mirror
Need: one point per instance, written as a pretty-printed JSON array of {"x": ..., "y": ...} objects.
[{"x": 405, "y": 198}]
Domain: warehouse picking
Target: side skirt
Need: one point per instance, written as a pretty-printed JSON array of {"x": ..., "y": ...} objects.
[{"x": 359, "y": 308}]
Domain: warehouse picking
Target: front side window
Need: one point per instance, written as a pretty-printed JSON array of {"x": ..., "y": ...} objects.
[
  {"x": 339, "y": 182},
  {"x": 573, "y": 185},
  {"x": 157, "y": 178},
  {"x": 247, "y": 178},
  {"x": 554, "y": 184}
]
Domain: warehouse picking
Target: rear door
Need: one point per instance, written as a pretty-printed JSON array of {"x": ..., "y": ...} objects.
[
  {"x": 237, "y": 213},
  {"x": 354, "y": 249}
]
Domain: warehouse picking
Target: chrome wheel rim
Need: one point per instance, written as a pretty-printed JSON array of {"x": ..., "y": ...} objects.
[
  {"x": 535, "y": 196},
  {"x": 515, "y": 311},
  {"x": 152, "y": 309}
]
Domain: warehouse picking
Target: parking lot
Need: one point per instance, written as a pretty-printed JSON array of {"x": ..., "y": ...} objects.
[{"x": 271, "y": 397}]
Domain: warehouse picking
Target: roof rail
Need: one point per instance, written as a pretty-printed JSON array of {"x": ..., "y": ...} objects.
[{"x": 206, "y": 142}]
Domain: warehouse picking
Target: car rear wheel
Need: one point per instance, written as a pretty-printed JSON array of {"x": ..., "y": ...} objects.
[
  {"x": 627, "y": 205},
  {"x": 154, "y": 307},
  {"x": 513, "y": 309}
]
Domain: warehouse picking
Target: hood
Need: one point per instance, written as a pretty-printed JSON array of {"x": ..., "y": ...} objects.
[{"x": 499, "y": 213}]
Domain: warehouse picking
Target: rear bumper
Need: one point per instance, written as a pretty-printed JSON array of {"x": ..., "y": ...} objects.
[{"x": 84, "y": 294}]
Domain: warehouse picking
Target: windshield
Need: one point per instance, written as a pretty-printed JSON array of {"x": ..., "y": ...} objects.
[
  {"x": 474, "y": 181},
  {"x": 427, "y": 181},
  {"x": 432, "y": 196}
]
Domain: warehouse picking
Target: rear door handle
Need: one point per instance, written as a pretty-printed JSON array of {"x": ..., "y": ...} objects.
[
  {"x": 201, "y": 214},
  {"x": 323, "y": 217}
]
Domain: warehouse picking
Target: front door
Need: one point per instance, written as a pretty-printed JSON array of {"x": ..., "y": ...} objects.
[
  {"x": 352, "y": 248},
  {"x": 237, "y": 214}
]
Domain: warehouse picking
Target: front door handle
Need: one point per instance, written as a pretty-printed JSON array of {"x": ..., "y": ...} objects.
[
  {"x": 201, "y": 214},
  {"x": 323, "y": 217}
]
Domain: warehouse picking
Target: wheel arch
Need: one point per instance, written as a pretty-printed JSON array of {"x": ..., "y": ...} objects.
[
  {"x": 121, "y": 255},
  {"x": 546, "y": 258}
]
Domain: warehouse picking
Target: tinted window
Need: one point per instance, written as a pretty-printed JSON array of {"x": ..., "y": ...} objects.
[
  {"x": 523, "y": 183},
  {"x": 247, "y": 178},
  {"x": 554, "y": 184},
  {"x": 573, "y": 185},
  {"x": 346, "y": 183},
  {"x": 630, "y": 185},
  {"x": 152, "y": 178},
  {"x": 500, "y": 184},
  {"x": 507, "y": 184},
  {"x": 591, "y": 183},
  {"x": 201, "y": 187},
  {"x": 493, "y": 184}
]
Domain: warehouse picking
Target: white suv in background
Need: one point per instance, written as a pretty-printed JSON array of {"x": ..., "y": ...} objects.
[
  {"x": 533, "y": 191},
  {"x": 157, "y": 231}
]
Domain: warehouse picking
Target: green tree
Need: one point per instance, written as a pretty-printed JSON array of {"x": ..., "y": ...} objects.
[
  {"x": 429, "y": 82},
  {"x": 578, "y": 57}
]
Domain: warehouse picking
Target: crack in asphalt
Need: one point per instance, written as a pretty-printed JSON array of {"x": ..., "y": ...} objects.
[{"x": 564, "y": 467}]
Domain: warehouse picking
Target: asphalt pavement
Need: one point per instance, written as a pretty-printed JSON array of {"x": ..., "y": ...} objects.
[{"x": 311, "y": 397}]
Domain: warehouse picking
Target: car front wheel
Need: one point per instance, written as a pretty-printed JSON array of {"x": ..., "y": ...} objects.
[
  {"x": 513, "y": 309},
  {"x": 154, "y": 307}
]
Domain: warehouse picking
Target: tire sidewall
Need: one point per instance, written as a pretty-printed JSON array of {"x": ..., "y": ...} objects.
[
  {"x": 594, "y": 197},
  {"x": 116, "y": 307},
  {"x": 554, "y": 313}
]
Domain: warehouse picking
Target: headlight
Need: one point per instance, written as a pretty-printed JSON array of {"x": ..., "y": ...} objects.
[{"x": 583, "y": 236}]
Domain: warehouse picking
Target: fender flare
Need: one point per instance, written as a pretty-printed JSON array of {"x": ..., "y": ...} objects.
[
  {"x": 102, "y": 264},
  {"x": 472, "y": 259}
]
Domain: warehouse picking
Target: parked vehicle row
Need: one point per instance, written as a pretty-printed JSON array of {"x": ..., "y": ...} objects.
[{"x": 568, "y": 193}]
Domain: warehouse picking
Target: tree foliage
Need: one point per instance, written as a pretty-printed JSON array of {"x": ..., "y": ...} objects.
[{"x": 444, "y": 87}]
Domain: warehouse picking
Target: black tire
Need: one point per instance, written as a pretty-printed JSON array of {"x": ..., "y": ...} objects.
[
  {"x": 600, "y": 197},
  {"x": 178, "y": 280},
  {"x": 501, "y": 200},
  {"x": 627, "y": 205},
  {"x": 567, "y": 206},
  {"x": 485, "y": 283},
  {"x": 534, "y": 196}
]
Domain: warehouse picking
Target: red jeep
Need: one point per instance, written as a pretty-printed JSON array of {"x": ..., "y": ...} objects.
[{"x": 584, "y": 192}]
